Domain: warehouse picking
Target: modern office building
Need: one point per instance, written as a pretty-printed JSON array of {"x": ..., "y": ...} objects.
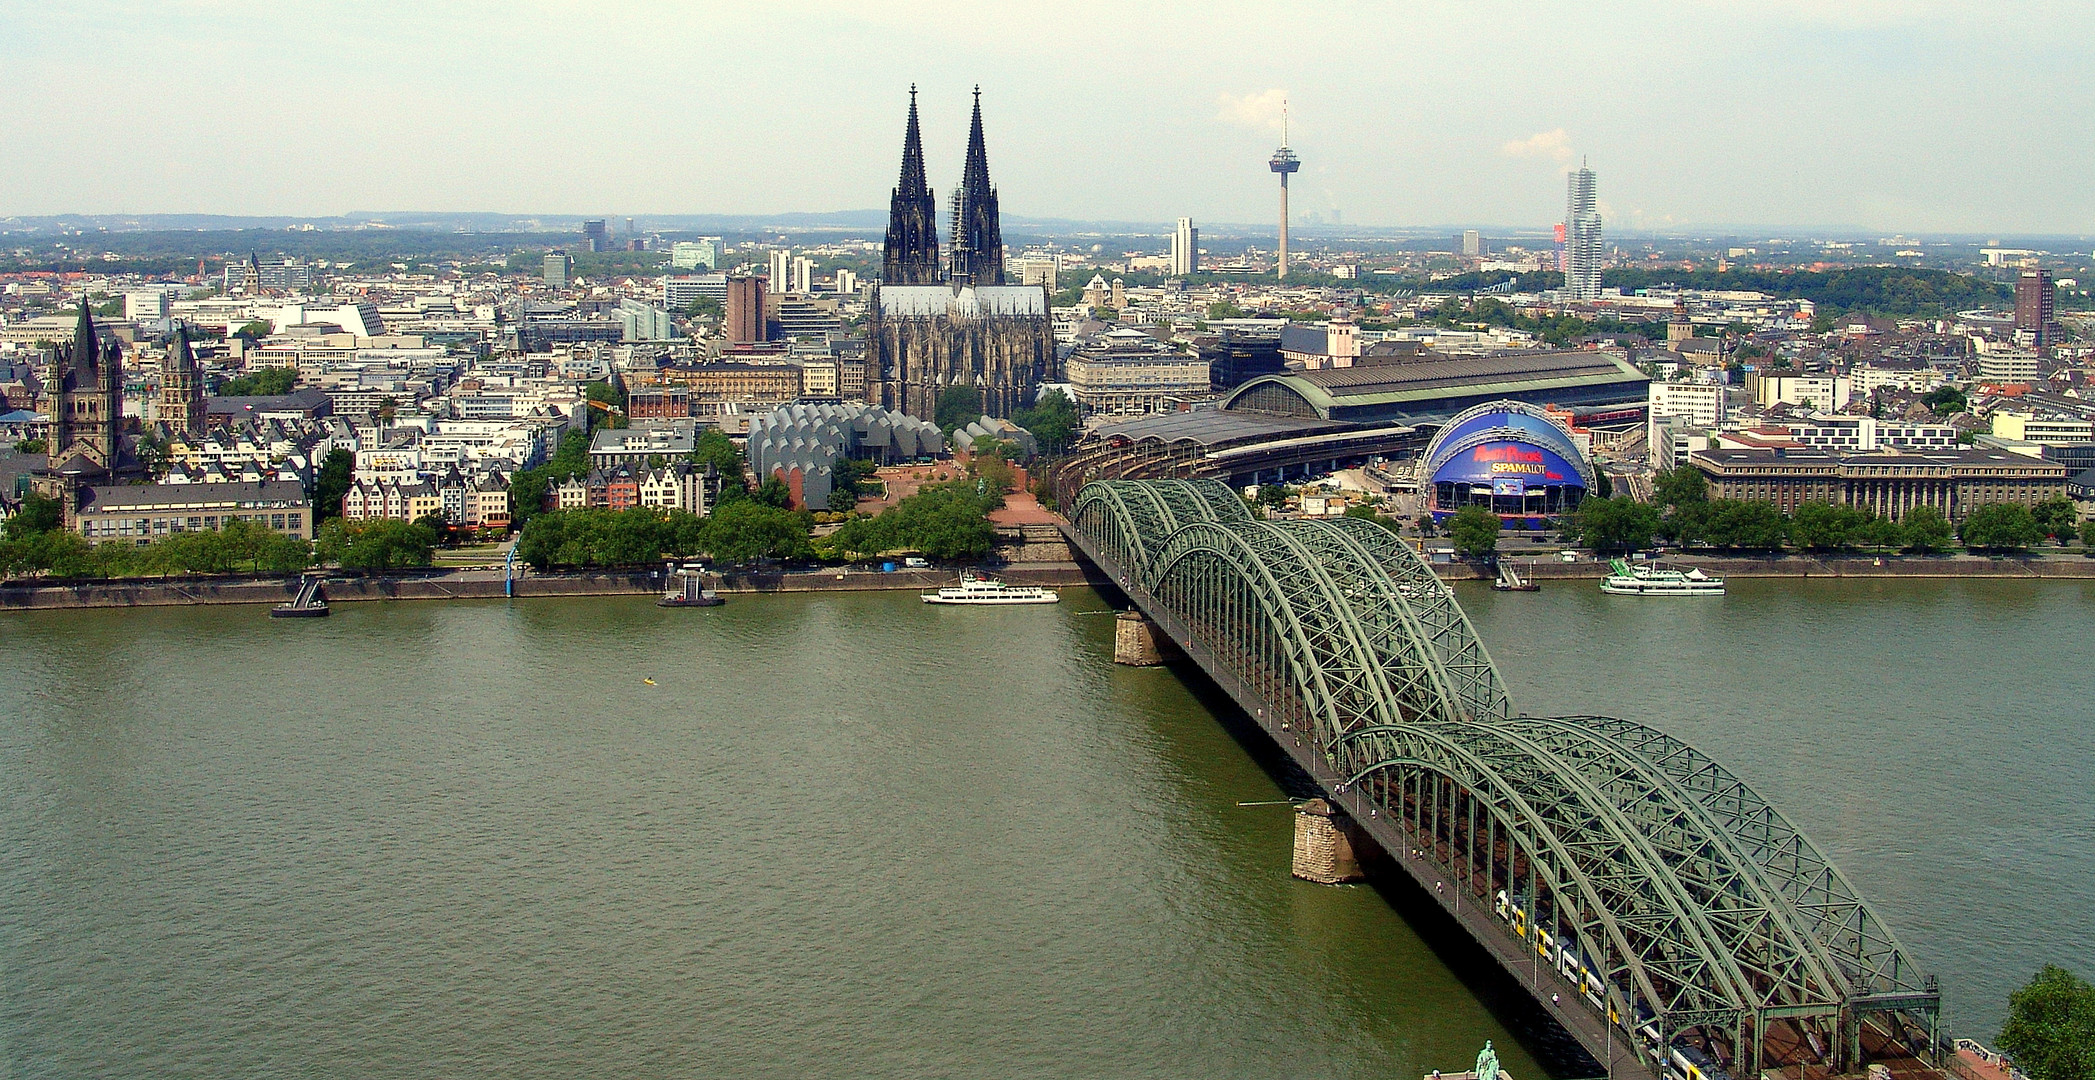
[
  {"x": 1582, "y": 247},
  {"x": 560, "y": 268},
  {"x": 2036, "y": 308},
  {"x": 595, "y": 235},
  {"x": 642, "y": 321},
  {"x": 1185, "y": 249},
  {"x": 690, "y": 255},
  {"x": 803, "y": 275},
  {"x": 679, "y": 292},
  {"x": 781, "y": 272},
  {"x": 745, "y": 311}
]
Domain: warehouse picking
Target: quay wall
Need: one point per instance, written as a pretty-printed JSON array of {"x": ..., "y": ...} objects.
[{"x": 1037, "y": 570}]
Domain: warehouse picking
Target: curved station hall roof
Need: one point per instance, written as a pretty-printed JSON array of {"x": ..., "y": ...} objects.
[{"x": 1412, "y": 390}]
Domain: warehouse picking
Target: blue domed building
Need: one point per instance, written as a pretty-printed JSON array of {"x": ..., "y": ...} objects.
[{"x": 1508, "y": 457}]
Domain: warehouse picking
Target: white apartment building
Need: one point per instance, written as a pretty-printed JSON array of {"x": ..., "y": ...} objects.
[
  {"x": 1867, "y": 380},
  {"x": 1823, "y": 392},
  {"x": 1861, "y": 434},
  {"x": 2050, "y": 431},
  {"x": 2009, "y": 366},
  {"x": 1700, "y": 404}
]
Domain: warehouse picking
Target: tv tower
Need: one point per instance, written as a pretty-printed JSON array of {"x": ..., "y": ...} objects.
[{"x": 1284, "y": 162}]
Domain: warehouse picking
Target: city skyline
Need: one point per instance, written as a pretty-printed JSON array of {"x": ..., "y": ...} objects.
[{"x": 1796, "y": 116}]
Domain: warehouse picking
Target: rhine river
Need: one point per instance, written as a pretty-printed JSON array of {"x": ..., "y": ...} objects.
[{"x": 853, "y": 835}]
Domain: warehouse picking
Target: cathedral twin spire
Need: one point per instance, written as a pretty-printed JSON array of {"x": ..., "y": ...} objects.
[{"x": 910, "y": 256}]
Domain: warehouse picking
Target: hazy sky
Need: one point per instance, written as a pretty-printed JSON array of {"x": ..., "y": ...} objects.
[{"x": 1881, "y": 114}]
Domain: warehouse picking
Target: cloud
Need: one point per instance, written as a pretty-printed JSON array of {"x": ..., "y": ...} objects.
[
  {"x": 1553, "y": 145},
  {"x": 1260, "y": 112}
]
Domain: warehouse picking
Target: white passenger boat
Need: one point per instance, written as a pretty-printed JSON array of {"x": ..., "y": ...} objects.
[
  {"x": 1649, "y": 581},
  {"x": 976, "y": 589}
]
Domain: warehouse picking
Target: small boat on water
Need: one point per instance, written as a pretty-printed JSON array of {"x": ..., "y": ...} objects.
[
  {"x": 1509, "y": 580},
  {"x": 687, "y": 589},
  {"x": 310, "y": 603},
  {"x": 1652, "y": 581},
  {"x": 988, "y": 591}
]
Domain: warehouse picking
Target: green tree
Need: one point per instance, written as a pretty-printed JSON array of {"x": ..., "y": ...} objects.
[
  {"x": 2001, "y": 527},
  {"x": 1945, "y": 400},
  {"x": 958, "y": 406},
  {"x": 31, "y": 446},
  {"x": 1679, "y": 486},
  {"x": 747, "y": 530},
  {"x": 36, "y": 515},
  {"x": 1475, "y": 531},
  {"x": 258, "y": 329},
  {"x": 1825, "y": 526},
  {"x": 705, "y": 308},
  {"x": 1882, "y": 532},
  {"x": 2058, "y": 517},
  {"x": 774, "y": 493},
  {"x": 1924, "y": 530},
  {"x": 375, "y": 545},
  {"x": 331, "y": 484},
  {"x": 2087, "y": 533},
  {"x": 714, "y": 448},
  {"x": 1745, "y": 524},
  {"x": 1621, "y": 524},
  {"x": 2051, "y": 1026},
  {"x": 1052, "y": 420},
  {"x": 1223, "y": 309},
  {"x": 261, "y": 382}
]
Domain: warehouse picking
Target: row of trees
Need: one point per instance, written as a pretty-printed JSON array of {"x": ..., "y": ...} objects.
[
  {"x": 743, "y": 530},
  {"x": 943, "y": 521},
  {"x": 35, "y": 543},
  {"x": 1683, "y": 512}
]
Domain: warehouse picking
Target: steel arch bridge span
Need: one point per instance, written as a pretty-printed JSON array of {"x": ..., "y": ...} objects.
[{"x": 1651, "y": 900}]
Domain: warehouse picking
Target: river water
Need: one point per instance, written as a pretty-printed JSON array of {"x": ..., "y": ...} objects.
[{"x": 853, "y": 835}]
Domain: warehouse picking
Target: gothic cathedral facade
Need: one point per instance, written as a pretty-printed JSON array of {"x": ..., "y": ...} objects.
[{"x": 936, "y": 323}]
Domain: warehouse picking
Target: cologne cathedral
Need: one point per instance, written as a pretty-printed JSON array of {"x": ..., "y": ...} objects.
[{"x": 953, "y": 322}]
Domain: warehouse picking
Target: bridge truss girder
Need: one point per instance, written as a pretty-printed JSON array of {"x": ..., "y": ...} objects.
[{"x": 1685, "y": 892}]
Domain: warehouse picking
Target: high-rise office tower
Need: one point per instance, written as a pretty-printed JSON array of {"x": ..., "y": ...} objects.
[
  {"x": 2036, "y": 301},
  {"x": 781, "y": 271},
  {"x": 977, "y": 253},
  {"x": 1472, "y": 243},
  {"x": 1185, "y": 248},
  {"x": 803, "y": 275},
  {"x": 744, "y": 321},
  {"x": 596, "y": 234},
  {"x": 1286, "y": 164},
  {"x": 560, "y": 267},
  {"x": 1582, "y": 237},
  {"x": 910, "y": 256}
]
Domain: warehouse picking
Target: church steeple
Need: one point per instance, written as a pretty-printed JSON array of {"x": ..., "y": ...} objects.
[
  {"x": 85, "y": 354},
  {"x": 978, "y": 239},
  {"x": 910, "y": 256}
]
